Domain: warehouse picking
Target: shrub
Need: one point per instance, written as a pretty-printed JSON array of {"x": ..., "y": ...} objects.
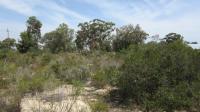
[
  {"x": 69, "y": 72},
  {"x": 105, "y": 77},
  {"x": 45, "y": 59},
  {"x": 99, "y": 106},
  {"x": 28, "y": 84},
  {"x": 160, "y": 76}
]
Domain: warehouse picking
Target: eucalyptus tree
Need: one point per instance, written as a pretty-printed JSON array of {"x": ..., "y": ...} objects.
[{"x": 93, "y": 34}]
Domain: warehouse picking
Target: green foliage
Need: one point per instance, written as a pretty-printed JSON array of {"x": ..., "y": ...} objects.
[
  {"x": 30, "y": 38},
  {"x": 33, "y": 28},
  {"x": 26, "y": 43},
  {"x": 45, "y": 59},
  {"x": 99, "y": 106},
  {"x": 93, "y": 34},
  {"x": 54, "y": 42},
  {"x": 78, "y": 87},
  {"x": 172, "y": 37},
  {"x": 70, "y": 67},
  {"x": 105, "y": 77},
  {"x": 31, "y": 84},
  {"x": 59, "y": 40},
  {"x": 8, "y": 55},
  {"x": 7, "y": 44},
  {"x": 128, "y": 35},
  {"x": 107, "y": 46},
  {"x": 68, "y": 73},
  {"x": 160, "y": 76}
]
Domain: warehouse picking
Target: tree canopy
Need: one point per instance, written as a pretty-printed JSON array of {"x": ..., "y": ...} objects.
[
  {"x": 93, "y": 34},
  {"x": 59, "y": 40},
  {"x": 128, "y": 35},
  {"x": 7, "y": 43},
  {"x": 33, "y": 28},
  {"x": 30, "y": 38},
  {"x": 172, "y": 37}
]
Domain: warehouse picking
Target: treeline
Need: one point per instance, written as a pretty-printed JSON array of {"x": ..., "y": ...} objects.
[{"x": 93, "y": 35}]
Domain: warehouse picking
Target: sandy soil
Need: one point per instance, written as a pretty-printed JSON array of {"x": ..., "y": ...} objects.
[{"x": 62, "y": 99}]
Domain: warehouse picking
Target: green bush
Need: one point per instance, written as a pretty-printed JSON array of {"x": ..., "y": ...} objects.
[
  {"x": 99, "y": 106},
  {"x": 69, "y": 72},
  {"x": 8, "y": 55},
  {"x": 45, "y": 59},
  {"x": 160, "y": 76},
  {"x": 105, "y": 77},
  {"x": 32, "y": 84}
]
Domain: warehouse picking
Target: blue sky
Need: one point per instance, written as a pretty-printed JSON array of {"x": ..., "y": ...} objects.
[{"x": 154, "y": 16}]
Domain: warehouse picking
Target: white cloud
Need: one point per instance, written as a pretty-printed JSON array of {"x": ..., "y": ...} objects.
[
  {"x": 157, "y": 17},
  {"x": 28, "y": 8},
  {"x": 49, "y": 11},
  {"x": 132, "y": 10},
  {"x": 18, "y": 6}
]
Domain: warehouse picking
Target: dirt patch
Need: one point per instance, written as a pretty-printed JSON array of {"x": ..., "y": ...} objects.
[{"x": 62, "y": 99}]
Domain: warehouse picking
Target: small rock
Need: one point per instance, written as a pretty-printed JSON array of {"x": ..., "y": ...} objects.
[{"x": 101, "y": 92}]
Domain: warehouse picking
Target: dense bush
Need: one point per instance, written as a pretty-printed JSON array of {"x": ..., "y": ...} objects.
[
  {"x": 99, "y": 106},
  {"x": 70, "y": 68},
  {"x": 161, "y": 76},
  {"x": 31, "y": 84},
  {"x": 105, "y": 77}
]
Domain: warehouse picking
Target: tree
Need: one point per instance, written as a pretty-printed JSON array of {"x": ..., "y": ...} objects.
[
  {"x": 7, "y": 44},
  {"x": 30, "y": 38},
  {"x": 33, "y": 28},
  {"x": 93, "y": 34},
  {"x": 171, "y": 37},
  {"x": 128, "y": 35},
  {"x": 26, "y": 43},
  {"x": 59, "y": 40}
]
